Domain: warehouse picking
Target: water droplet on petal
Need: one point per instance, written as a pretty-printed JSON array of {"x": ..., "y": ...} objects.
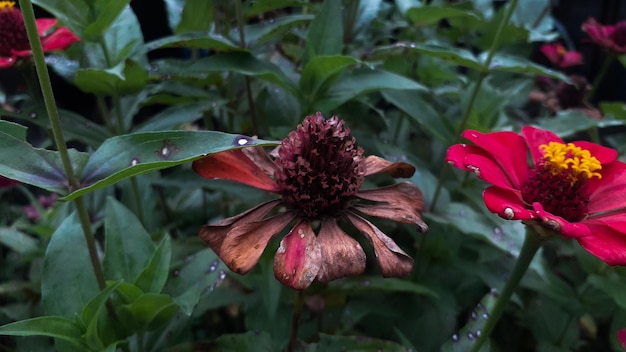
[
  {"x": 509, "y": 213},
  {"x": 474, "y": 169}
]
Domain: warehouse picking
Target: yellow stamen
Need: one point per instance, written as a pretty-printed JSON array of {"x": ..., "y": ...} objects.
[
  {"x": 570, "y": 157},
  {"x": 6, "y": 5}
]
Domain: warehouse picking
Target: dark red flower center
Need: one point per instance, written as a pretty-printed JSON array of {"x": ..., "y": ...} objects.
[
  {"x": 558, "y": 181},
  {"x": 12, "y": 29},
  {"x": 319, "y": 167},
  {"x": 619, "y": 34}
]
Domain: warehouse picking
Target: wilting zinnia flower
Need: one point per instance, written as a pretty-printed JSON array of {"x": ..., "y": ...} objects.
[
  {"x": 575, "y": 189},
  {"x": 318, "y": 174},
  {"x": 14, "y": 41},
  {"x": 561, "y": 57},
  {"x": 611, "y": 38}
]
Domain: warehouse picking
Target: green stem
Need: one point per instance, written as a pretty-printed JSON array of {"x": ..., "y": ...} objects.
[
  {"x": 470, "y": 105},
  {"x": 295, "y": 321},
  {"x": 242, "y": 43},
  {"x": 531, "y": 245},
  {"x": 600, "y": 77},
  {"x": 55, "y": 123}
]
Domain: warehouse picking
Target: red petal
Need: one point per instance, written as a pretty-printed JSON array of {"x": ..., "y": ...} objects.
[
  {"x": 536, "y": 137},
  {"x": 392, "y": 260},
  {"x": 234, "y": 165},
  {"x": 401, "y": 202},
  {"x": 7, "y": 61},
  {"x": 560, "y": 225},
  {"x": 571, "y": 58},
  {"x": 508, "y": 204},
  {"x": 44, "y": 24},
  {"x": 551, "y": 51},
  {"x": 342, "y": 255},
  {"x": 609, "y": 192},
  {"x": 60, "y": 39},
  {"x": 603, "y": 154},
  {"x": 299, "y": 257},
  {"x": 375, "y": 165},
  {"x": 621, "y": 336},
  {"x": 605, "y": 243},
  {"x": 215, "y": 234},
  {"x": 243, "y": 245},
  {"x": 507, "y": 149}
]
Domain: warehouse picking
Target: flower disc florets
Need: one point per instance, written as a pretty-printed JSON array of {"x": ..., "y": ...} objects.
[
  {"x": 319, "y": 168},
  {"x": 12, "y": 29}
]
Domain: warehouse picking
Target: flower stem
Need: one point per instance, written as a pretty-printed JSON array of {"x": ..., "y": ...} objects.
[
  {"x": 242, "y": 43},
  {"x": 470, "y": 105},
  {"x": 295, "y": 321},
  {"x": 55, "y": 123},
  {"x": 600, "y": 76},
  {"x": 531, "y": 245}
]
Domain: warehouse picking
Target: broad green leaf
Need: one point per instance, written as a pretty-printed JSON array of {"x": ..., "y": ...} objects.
[
  {"x": 125, "y": 156},
  {"x": 353, "y": 343},
  {"x": 364, "y": 285},
  {"x": 153, "y": 277},
  {"x": 457, "y": 56},
  {"x": 106, "y": 12},
  {"x": 427, "y": 15},
  {"x": 261, "y": 6},
  {"x": 72, "y": 13},
  {"x": 128, "y": 246},
  {"x": 325, "y": 35},
  {"x": 508, "y": 63},
  {"x": 193, "y": 40},
  {"x": 18, "y": 241},
  {"x": 321, "y": 72},
  {"x": 125, "y": 78},
  {"x": 174, "y": 116},
  {"x": 13, "y": 129},
  {"x": 421, "y": 112},
  {"x": 150, "y": 311},
  {"x": 360, "y": 82},
  {"x": 569, "y": 122},
  {"x": 465, "y": 339},
  {"x": 613, "y": 286},
  {"x": 51, "y": 326},
  {"x": 93, "y": 307},
  {"x": 616, "y": 110},
  {"x": 197, "y": 16},
  {"x": 249, "y": 341},
  {"x": 38, "y": 167},
  {"x": 257, "y": 34},
  {"x": 174, "y": 9},
  {"x": 68, "y": 280}
]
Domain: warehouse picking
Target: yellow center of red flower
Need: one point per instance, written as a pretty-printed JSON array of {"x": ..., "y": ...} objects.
[
  {"x": 6, "y": 5},
  {"x": 558, "y": 181}
]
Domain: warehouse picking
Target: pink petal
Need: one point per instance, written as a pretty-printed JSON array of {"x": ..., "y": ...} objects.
[
  {"x": 508, "y": 204},
  {"x": 603, "y": 154},
  {"x": 507, "y": 149},
  {"x": 393, "y": 261},
  {"x": 215, "y": 234},
  {"x": 621, "y": 336},
  {"x": 401, "y": 202},
  {"x": 571, "y": 58},
  {"x": 6, "y": 62},
  {"x": 609, "y": 192},
  {"x": 243, "y": 245},
  {"x": 60, "y": 39},
  {"x": 605, "y": 243},
  {"x": 375, "y": 165},
  {"x": 560, "y": 225},
  {"x": 44, "y": 24},
  {"x": 481, "y": 163},
  {"x": 299, "y": 257},
  {"x": 551, "y": 51},
  {"x": 234, "y": 165},
  {"x": 342, "y": 255},
  {"x": 536, "y": 137}
]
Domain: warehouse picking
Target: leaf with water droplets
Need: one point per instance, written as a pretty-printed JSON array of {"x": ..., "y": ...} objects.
[
  {"x": 515, "y": 64},
  {"x": 121, "y": 157},
  {"x": 463, "y": 340}
]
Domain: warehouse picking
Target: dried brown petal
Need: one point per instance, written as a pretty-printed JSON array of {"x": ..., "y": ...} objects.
[
  {"x": 393, "y": 261},
  {"x": 342, "y": 255},
  {"x": 375, "y": 165},
  {"x": 261, "y": 159},
  {"x": 298, "y": 259},
  {"x": 401, "y": 202},
  {"x": 243, "y": 245}
]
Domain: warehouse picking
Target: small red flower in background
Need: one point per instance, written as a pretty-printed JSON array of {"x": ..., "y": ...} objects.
[
  {"x": 561, "y": 57},
  {"x": 621, "y": 336},
  {"x": 45, "y": 202},
  {"x": 575, "y": 189},
  {"x": 318, "y": 173},
  {"x": 14, "y": 41},
  {"x": 6, "y": 182},
  {"x": 610, "y": 38}
]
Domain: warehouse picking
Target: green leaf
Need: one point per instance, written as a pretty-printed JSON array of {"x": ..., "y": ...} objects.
[
  {"x": 197, "y": 16},
  {"x": 465, "y": 339},
  {"x": 569, "y": 122},
  {"x": 18, "y": 241},
  {"x": 509, "y": 63},
  {"x": 260, "y": 33},
  {"x": 261, "y": 6},
  {"x": 150, "y": 311},
  {"x": 95, "y": 305},
  {"x": 426, "y": 15},
  {"x": 128, "y": 246},
  {"x": 249, "y": 341},
  {"x": 106, "y": 13},
  {"x": 51, "y": 326},
  {"x": 153, "y": 277},
  {"x": 174, "y": 116},
  {"x": 38, "y": 167},
  {"x": 353, "y": 343},
  {"x": 193, "y": 40},
  {"x": 125, "y": 78},
  {"x": 363, "y": 81},
  {"x": 421, "y": 112},
  {"x": 616, "y": 110},
  {"x": 325, "y": 35},
  {"x": 13, "y": 129},
  {"x": 68, "y": 280},
  {"x": 457, "y": 56},
  {"x": 322, "y": 71},
  {"x": 613, "y": 286},
  {"x": 364, "y": 285},
  {"x": 72, "y": 13}
]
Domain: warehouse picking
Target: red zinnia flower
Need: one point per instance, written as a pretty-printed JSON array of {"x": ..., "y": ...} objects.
[
  {"x": 611, "y": 38},
  {"x": 318, "y": 172},
  {"x": 14, "y": 41},
  {"x": 561, "y": 57},
  {"x": 576, "y": 189},
  {"x": 621, "y": 336}
]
